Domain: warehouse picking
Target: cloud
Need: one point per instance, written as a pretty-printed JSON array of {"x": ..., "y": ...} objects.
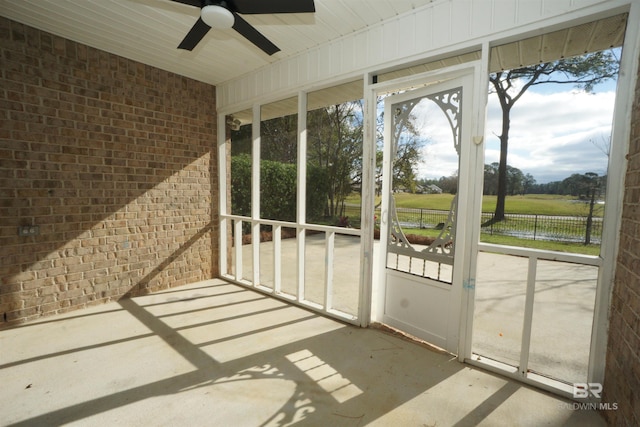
[
  {"x": 440, "y": 159},
  {"x": 552, "y": 135},
  {"x": 439, "y": 156}
]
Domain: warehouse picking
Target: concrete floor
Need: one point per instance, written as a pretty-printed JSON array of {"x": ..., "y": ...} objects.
[
  {"x": 217, "y": 354},
  {"x": 563, "y": 307},
  {"x": 563, "y": 302}
]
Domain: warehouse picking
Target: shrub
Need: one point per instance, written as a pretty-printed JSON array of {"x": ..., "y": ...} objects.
[
  {"x": 278, "y": 183},
  {"x": 241, "y": 185}
]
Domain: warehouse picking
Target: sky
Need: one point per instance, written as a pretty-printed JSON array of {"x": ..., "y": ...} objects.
[{"x": 556, "y": 131}]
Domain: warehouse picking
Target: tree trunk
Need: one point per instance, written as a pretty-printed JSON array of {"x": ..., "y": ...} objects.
[
  {"x": 592, "y": 202},
  {"x": 502, "y": 167}
]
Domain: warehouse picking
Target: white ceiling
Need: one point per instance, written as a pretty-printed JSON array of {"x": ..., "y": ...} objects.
[
  {"x": 150, "y": 30},
  {"x": 592, "y": 36}
]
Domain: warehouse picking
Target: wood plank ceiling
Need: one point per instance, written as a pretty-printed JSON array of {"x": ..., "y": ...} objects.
[
  {"x": 585, "y": 38},
  {"x": 149, "y": 30}
]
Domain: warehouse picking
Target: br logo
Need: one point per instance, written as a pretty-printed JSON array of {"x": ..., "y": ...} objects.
[{"x": 586, "y": 390}]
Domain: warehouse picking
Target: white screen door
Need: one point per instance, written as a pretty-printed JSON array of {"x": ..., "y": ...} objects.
[{"x": 425, "y": 131}]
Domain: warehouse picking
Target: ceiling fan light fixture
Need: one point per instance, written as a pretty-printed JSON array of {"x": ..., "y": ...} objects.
[{"x": 217, "y": 16}]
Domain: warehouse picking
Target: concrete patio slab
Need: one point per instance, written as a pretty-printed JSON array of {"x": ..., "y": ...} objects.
[
  {"x": 218, "y": 354},
  {"x": 563, "y": 302}
]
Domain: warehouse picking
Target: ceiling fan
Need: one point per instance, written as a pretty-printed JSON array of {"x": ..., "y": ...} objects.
[{"x": 224, "y": 14}]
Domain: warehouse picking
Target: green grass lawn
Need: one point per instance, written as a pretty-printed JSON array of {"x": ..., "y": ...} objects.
[
  {"x": 541, "y": 204},
  {"x": 576, "y": 248}
]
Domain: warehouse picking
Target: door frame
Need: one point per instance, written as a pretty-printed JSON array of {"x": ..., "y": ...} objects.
[
  {"x": 469, "y": 193},
  {"x": 371, "y": 298}
]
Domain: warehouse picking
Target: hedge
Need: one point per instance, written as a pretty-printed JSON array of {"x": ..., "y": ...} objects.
[{"x": 278, "y": 182}]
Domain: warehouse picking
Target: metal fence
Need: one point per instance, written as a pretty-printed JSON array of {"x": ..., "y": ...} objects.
[
  {"x": 523, "y": 226},
  {"x": 544, "y": 227}
]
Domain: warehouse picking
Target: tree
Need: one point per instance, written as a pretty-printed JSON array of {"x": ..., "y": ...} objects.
[
  {"x": 334, "y": 148},
  {"x": 528, "y": 183},
  {"x": 583, "y": 71},
  {"x": 587, "y": 187},
  {"x": 449, "y": 184},
  {"x": 603, "y": 144},
  {"x": 408, "y": 153},
  {"x": 593, "y": 184},
  {"x": 515, "y": 181},
  {"x": 279, "y": 139},
  {"x": 576, "y": 185},
  {"x": 491, "y": 179},
  {"x": 334, "y": 143},
  {"x": 405, "y": 164}
]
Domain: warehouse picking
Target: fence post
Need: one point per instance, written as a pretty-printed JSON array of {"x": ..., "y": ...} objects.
[
  {"x": 491, "y": 229},
  {"x": 535, "y": 227},
  {"x": 420, "y": 218}
]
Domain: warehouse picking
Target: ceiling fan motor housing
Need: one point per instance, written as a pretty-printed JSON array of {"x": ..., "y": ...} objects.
[
  {"x": 220, "y": 14},
  {"x": 216, "y": 15}
]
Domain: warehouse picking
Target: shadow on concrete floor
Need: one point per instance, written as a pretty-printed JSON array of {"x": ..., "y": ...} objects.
[{"x": 218, "y": 354}]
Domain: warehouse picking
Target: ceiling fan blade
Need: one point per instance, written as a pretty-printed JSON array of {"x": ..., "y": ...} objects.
[
  {"x": 253, "y": 35},
  {"x": 272, "y": 6},
  {"x": 194, "y": 36},
  {"x": 196, "y": 3}
]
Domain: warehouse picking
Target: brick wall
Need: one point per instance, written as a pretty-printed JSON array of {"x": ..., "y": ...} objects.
[
  {"x": 114, "y": 160},
  {"x": 622, "y": 375}
]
